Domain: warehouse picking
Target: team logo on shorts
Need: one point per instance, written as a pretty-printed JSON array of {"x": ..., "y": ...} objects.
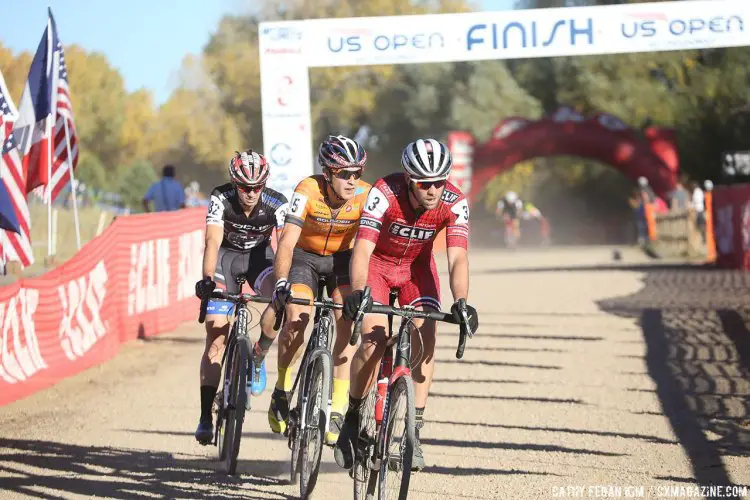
[{"x": 413, "y": 233}]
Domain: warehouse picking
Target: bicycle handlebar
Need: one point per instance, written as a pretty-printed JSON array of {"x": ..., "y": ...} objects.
[
  {"x": 238, "y": 298},
  {"x": 408, "y": 313}
]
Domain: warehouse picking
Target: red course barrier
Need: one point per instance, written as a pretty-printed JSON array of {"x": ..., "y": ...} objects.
[
  {"x": 731, "y": 226},
  {"x": 136, "y": 279}
]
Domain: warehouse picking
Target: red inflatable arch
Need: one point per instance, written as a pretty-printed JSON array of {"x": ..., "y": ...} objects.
[{"x": 601, "y": 137}]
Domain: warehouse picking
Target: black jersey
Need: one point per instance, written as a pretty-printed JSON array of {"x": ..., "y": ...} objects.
[{"x": 241, "y": 232}]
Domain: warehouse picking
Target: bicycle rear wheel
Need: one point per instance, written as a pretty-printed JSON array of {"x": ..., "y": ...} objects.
[
  {"x": 229, "y": 447},
  {"x": 364, "y": 474},
  {"x": 397, "y": 438},
  {"x": 318, "y": 389}
]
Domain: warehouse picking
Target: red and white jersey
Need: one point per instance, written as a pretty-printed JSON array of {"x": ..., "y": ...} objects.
[{"x": 400, "y": 233}]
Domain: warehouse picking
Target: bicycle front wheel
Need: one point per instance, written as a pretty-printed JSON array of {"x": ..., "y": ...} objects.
[
  {"x": 364, "y": 474},
  {"x": 397, "y": 438},
  {"x": 318, "y": 388},
  {"x": 235, "y": 411}
]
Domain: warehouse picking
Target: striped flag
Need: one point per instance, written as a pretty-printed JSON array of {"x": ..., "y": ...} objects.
[
  {"x": 44, "y": 114},
  {"x": 16, "y": 245}
]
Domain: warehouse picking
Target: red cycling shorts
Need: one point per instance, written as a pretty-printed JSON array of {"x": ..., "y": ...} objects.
[{"x": 417, "y": 281}]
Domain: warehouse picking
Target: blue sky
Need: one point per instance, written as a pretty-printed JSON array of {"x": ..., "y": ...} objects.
[{"x": 144, "y": 39}]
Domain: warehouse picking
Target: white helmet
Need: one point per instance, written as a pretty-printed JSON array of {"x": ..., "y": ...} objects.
[
  {"x": 511, "y": 197},
  {"x": 427, "y": 159},
  {"x": 642, "y": 181}
]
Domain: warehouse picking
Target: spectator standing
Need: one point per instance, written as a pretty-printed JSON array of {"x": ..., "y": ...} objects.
[
  {"x": 679, "y": 198},
  {"x": 167, "y": 194},
  {"x": 699, "y": 206}
]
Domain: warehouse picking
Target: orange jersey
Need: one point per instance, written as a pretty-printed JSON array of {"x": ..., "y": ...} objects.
[{"x": 323, "y": 232}]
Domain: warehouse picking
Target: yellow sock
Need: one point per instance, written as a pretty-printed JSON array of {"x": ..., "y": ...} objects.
[
  {"x": 284, "y": 382},
  {"x": 340, "y": 396}
]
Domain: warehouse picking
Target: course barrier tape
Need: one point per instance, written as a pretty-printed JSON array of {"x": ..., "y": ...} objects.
[{"x": 136, "y": 279}]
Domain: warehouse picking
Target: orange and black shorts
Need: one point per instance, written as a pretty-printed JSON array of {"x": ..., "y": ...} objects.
[{"x": 308, "y": 268}]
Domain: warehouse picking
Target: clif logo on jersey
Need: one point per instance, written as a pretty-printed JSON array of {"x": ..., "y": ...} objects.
[
  {"x": 413, "y": 233},
  {"x": 449, "y": 196}
]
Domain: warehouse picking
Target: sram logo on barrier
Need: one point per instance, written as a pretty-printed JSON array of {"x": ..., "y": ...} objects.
[
  {"x": 148, "y": 280},
  {"x": 82, "y": 300},
  {"x": 658, "y": 24},
  {"x": 190, "y": 263},
  {"x": 515, "y": 34},
  {"x": 20, "y": 356},
  {"x": 414, "y": 233},
  {"x": 386, "y": 42}
]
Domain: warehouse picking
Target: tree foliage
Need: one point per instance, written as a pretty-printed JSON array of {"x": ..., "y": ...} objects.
[{"x": 216, "y": 106}]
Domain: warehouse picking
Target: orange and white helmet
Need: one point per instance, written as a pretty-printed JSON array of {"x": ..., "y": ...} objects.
[{"x": 248, "y": 168}]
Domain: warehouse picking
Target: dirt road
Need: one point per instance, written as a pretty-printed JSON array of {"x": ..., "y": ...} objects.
[{"x": 571, "y": 382}]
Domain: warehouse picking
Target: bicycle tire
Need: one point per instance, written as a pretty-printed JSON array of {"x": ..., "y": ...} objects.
[
  {"x": 395, "y": 472},
  {"x": 319, "y": 393},
  {"x": 365, "y": 477},
  {"x": 237, "y": 400},
  {"x": 221, "y": 413},
  {"x": 294, "y": 437}
]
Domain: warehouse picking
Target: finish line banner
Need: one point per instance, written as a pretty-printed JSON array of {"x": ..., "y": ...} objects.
[{"x": 289, "y": 48}]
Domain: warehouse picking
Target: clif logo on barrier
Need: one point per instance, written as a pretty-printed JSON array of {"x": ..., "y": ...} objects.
[
  {"x": 654, "y": 24},
  {"x": 190, "y": 263},
  {"x": 148, "y": 283},
  {"x": 82, "y": 300},
  {"x": 20, "y": 356},
  {"x": 386, "y": 42},
  {"x": 516, "y": 34}
]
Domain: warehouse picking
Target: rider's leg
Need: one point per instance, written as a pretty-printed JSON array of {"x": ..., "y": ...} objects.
[
  {"x": 365, "y": 364},
  {"x": 342, "y": 360},
  {"x": 423, "y": 340},
  {"x": 342, "y": 351},
  {"x": 217, "y": 327},
  {"x": 263, "y": 284},
  {"x": 364, "y": 370},
  {"x": 422, "y": 292}
]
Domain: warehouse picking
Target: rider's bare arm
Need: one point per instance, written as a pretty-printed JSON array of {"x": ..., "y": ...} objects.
[
  {"x": 214, "y": 237},
  {"x": 283, "y": 261},
  {"x": 458, "y": 268},
  {"x": 360, "y": 263}
]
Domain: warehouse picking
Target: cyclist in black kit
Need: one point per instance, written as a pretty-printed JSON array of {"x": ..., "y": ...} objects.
[{"x": 239, "y": 223}]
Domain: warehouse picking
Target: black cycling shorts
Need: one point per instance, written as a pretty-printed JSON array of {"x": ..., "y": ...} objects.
[
  {"x": 307, "y": 268},
  {"x": 253, "y": 266}
]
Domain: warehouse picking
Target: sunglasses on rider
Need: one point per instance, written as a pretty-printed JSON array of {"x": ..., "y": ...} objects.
[
  {"x": 345, "y": 175},
  {"x": 425, "y": 185},
  {"x": 250, "y": 189}
]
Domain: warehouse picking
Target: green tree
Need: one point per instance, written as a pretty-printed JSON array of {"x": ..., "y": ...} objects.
[{"x": 133, "y": 183}]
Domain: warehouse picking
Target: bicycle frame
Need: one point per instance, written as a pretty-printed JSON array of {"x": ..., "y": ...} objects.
[
  {"x": 237, "y": 331},
  {"x": 320, "y": 340}
]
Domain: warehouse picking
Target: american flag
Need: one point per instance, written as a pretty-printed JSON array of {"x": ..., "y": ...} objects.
[
  {"x": 15, "y": 246},
  {"x": 44, "y": 111},
  {"x": 64, "y": 110}
]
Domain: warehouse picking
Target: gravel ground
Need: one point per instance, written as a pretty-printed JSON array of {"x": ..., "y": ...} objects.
[{"x": 583, "y": 374}]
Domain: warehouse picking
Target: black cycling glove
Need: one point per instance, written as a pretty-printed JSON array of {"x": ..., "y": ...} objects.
[
  {"x": 470, "y": 321},
  {"x": 204, "y": 287},
  {"x": 353, "y": 302}
]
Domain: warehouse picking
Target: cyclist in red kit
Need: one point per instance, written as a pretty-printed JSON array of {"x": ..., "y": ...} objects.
[{"x": 403, "y": 214}]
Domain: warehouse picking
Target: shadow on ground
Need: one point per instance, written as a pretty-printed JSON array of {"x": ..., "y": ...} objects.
[
  {"x": 34, "y": 468},
  {"x": 694, "y": 322}
]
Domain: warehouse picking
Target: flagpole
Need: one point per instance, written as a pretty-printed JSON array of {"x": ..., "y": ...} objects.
[
  {"x": 50, "y": 138},
  {"x": 72, "y": 185}
]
